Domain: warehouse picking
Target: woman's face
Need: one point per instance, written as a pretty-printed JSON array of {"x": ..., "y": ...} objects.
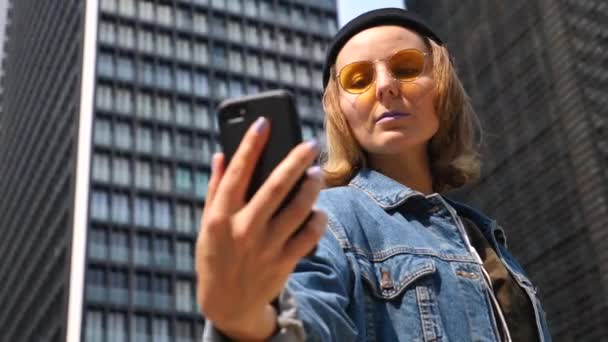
[{"x": 390, "y": 117}]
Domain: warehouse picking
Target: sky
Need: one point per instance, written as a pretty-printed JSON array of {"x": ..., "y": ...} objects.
[{"x": 348, "y": 9}]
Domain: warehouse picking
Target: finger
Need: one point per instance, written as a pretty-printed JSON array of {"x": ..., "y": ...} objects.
[
  {"x": 290, "y": 218},
  {"x": 306, "y": 238},
  {"x": 232, "y": 188},
  {"x": 283, "y": 178},
  {"x": 217, "y": 171}
]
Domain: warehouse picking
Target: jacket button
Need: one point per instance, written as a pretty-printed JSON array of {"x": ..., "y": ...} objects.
[{"x": 386, "y": 283}]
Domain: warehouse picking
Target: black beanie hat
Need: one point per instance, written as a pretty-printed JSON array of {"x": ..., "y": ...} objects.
[{"x": 379, "y": 17}]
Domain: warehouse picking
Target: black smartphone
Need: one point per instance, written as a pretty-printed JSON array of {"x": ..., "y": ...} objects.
[{"x": 236, "y": 115}]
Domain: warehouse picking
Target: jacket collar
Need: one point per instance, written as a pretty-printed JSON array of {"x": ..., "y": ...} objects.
[{"x": 385, "y": 191}]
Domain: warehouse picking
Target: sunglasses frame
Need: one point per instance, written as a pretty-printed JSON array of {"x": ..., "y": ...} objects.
[{"x": 386, "y": 59}]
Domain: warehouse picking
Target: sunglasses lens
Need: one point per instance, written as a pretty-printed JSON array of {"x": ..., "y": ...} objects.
[
  {"x": 407, "y": 65},
  {"x": 355, "y": 78}
]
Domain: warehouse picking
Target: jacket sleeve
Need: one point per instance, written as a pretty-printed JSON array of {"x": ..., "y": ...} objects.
[{"x": 313, "y": 305}]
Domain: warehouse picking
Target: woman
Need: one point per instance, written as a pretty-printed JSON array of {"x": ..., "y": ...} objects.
[{"x": 394, "y": 260}]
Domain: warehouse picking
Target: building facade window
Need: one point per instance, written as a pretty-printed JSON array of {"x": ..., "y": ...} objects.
[
  {"x": 219, "y": 4},
  {"x": 183, "y": 331},
  {"x": 218, "y": 57},
  {"x": 120, "y": 208},
  {"x": 270, "y": 68},
  {"x": 162, "y": 177},
  {"x": 119, "y": 287},
  {"x": 126, "y": 8},
  {"x": 163, "y": 255},
  {"x": 183, "y": 113},
  {"x": 162, "y": 296},
  {"x": 218, "y": 26},
  {"x": 144, "y": 105},
  {"x": 117, "y": 327},
  {"x": 160, "y": 330},
  {"x": 184, "y": 147},
  {"x": 183, "y": 218},
  {"x": 146, "y": 10},
  {"x": 119, "y": 247},
  {"x": 286, "y": 72},
  {"x": 121, "y": 171},
  {"x": 143, "y": 290},
  {"x": 164, "y": 77},
  {"x": 126, "y": 37},
  {"x": 142, "y": 255},
  {"x": 124, "y": 101},
  {"x": 184, "y": 81},
  {"x": 104, "y": 98},
  {"x": 201, "y": 117},
  {"x": 184, "y": 19},
  {"x": 251, "y": 8},
  {"x": 183, "y": 296},
  {"x": 145, "y": 41},
  {"x": 107, "y": 32},
  {"x": 140, "y": 329},
  {"x": 201, "y": 180},
  {"x": 164, "y": 15},
  {"x": 94, "y": 331},
  {"x": 200, "y": 23},
  {"x": 99, "y": 205},
  {"x": 236, "y": 88},
  {"x": 201, "y": 53},
  {"x": 108, "y": 6},
  {"x": 101, "y": 167},
  {"x": 162, "y": 214},
  {"x": 144, "y": 139},
  {"x": 96, "y": 285},
  {"x": 251, "y": 34},
  {"x": 183, "y": 50},
  {"x": 146, "y": 73},
  {"x": 234, "y": 6},
  {"x": 98, "y": 244},
  {"x": 201, "y": 84},
  {"x": 142, "y": 211},
  {"x": 302, "y": 75},
  {"x": 105, "y": 65},
  {"x": 165, "y": 143},
  {"x": 268, "y": 39},
  {"x": 202, "y": 149},
  {"x": 143, "y": 175},
  {"x": 103, "y": 132},
  {"x": 235, "y": 61},
  {"x": 235, "y": 31},
  {"x": 184, "y": 256},
  {"x": 254, "y": 67},
  {"x": 122, "y": 135},
  {"x": 183, "y": 179},
  {"x": 124, "y": 69},
  {"x": 163, "y": 109}
]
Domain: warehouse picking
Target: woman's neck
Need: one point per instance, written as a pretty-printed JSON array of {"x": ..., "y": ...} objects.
[{"x": 411, "y": 169}]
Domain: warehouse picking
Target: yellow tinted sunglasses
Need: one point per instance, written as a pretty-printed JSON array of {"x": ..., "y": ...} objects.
[{"x": 404, "y": 65}]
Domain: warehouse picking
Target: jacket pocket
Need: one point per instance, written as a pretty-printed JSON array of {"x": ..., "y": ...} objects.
[
  {"x": 401, "y": 289},
  {"x": 388, "y": 278}
]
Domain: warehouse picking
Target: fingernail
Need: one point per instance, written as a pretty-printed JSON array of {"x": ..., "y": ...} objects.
[
  {"x": 260, "y": 124},
  {"x": 313, "y": 144},
  {"x": 214, "y": 161},
  {"x": 315, "y": 172}
]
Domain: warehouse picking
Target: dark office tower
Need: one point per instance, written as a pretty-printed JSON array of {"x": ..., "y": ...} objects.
[
  {"x": 536, "y": 70},
  {"x": 105, "y": 143}
]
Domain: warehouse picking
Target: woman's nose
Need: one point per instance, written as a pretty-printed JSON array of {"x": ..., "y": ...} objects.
[{"x": 386, "y": 85}]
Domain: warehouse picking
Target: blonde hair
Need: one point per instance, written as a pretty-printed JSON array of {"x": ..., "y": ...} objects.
[{"x": 453, "y": 152}]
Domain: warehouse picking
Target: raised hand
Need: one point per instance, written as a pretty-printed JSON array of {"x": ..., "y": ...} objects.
[{"x": 246, "y": 250}]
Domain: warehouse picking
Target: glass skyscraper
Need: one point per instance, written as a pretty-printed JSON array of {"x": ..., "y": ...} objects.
[{"x": 105, "y": 142}]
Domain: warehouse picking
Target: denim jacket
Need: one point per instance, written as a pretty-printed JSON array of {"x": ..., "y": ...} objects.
[{"x": 395, "y": 265}]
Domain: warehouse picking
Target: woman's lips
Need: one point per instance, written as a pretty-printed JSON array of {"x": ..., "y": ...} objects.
[{"x": 389, "y": 116}]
